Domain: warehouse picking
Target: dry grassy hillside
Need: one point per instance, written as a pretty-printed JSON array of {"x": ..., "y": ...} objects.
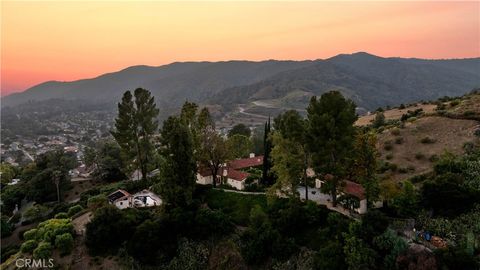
[
  {"x": 412, "y": 148},
  {"x": 396, "y": 114}
]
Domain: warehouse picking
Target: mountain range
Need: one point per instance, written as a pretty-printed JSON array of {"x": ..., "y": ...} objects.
[{"x": 371, "y": 81}]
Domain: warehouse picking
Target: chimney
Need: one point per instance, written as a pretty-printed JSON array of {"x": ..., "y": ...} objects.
[{"x": 252, "y": 155}]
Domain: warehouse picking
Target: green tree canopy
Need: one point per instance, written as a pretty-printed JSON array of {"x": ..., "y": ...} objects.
[
  {"x": 289, "y": 154},
  {"x": 134, "y": 126},
  {"x": 239, "y": 146},
  {"x": 110, "y": 163},
  {"x": 240, "y": 129},
  {"x": 365, "y": 164},
  {"x": 330, "y": 137},
  {"x": 213, "y": 152},
  {"x": 178, "y": 172}
]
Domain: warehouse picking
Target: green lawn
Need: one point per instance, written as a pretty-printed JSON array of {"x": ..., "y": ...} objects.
[{"x": 235, "y": 205}]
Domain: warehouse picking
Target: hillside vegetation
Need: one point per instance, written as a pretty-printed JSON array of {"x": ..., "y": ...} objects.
[
  {"x": 267, "y": 86},
  {"x": 410, "y": 148}
]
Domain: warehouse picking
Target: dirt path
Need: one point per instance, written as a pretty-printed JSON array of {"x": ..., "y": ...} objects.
[
  {"x": 242, "y": 111},
  {"x": 80, "y": 223}
]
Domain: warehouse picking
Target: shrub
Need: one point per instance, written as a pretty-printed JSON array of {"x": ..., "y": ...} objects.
[
  {"x": 454, "y": 103},
  {"x": 384, "y": 166},
  {"x": 388, "y": 145},
  {"x": 440, "y": 107},
  {"x": 427, "y": 140},
  {"x": 468, "y": 113},
  {"x": 64, "y": 243},
  {"x": 411, "y": 115},
  {"x": 30, "y": 234},
  {"x": 442, "y": 112},
  {"x": 402, "y": 106},
  {"x": 43, "y": 251},
  {"x": 97, "y": 201},
  {"x": 210, "y": 222},
  {"x": 107, "y": 230},
  {"x": 7, "y": 227},
  {"x": 399, "y": 140},
  {"x": 418, "y": 178},
  {"x": 402, "y": 170},
  {"x": 28, "y": 246},
  {"x": 389, "y": 156},
  {"x": 236, "y": 206},
  {"x": 477, "y": 132},
  {"x": 433, "y": 158},
  {"x": 74, "y": 209},
  {"x": 61, "y": 215},
  {"x": 419, "y": 156},
  {"x": 395, "y": 131},
  {"x": 379, "y": 120},
  {"x": 393, "y": 167},
  {"x": 49, "y": 229},
  {"x": 35, "y": 213},
  {"x": 7, "y": 251}
]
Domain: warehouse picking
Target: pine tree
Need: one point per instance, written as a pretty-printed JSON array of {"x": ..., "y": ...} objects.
[
  {"x": 330, "y": 137},
  {"x": 365, "y": 165},
  {"x": 179, "y": 169},
  {"x": 135, "y": 124}
]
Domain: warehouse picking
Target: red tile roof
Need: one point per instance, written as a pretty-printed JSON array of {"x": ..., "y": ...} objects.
[
  {"x": 246, "y": 162},
  {"x": 203, "y": 171},
  {"x": 237, "y": 175},
  {"x": 354, "y": 189}
]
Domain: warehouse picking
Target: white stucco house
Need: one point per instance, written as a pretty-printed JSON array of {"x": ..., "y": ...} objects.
[
  {"x": 235, "y": 178},
  {"x": 145, "y": 198},
  {"x": 204, "y": 176},
  {"x": 231, "y": 173},
  {"x": 120, "y": 198},
  {"x": 351, "y": 189}
]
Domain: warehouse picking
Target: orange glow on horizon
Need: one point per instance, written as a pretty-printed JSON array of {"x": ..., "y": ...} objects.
[{"x": 42, "y": 41}]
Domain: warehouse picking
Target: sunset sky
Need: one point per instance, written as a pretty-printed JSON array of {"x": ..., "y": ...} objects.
[{"x": 65, "y": 41}]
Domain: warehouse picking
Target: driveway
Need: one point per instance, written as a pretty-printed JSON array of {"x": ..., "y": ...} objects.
[{"x": 314, "y": 194}]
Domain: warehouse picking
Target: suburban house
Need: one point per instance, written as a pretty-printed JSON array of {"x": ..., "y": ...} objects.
[
  {"x": 232, "y": 172},
  {"x": 351, "y": 189},
  {"x": 120, "y": 198},
  {"x": 235, "y": 178},
  {"x": 204, "y": 176},
  {"x": 145, "y": 198}
]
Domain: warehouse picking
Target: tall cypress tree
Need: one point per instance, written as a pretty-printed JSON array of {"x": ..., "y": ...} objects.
[
  {"x": 267, "y": 178},
  {"x": 135, "y": 124}
]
